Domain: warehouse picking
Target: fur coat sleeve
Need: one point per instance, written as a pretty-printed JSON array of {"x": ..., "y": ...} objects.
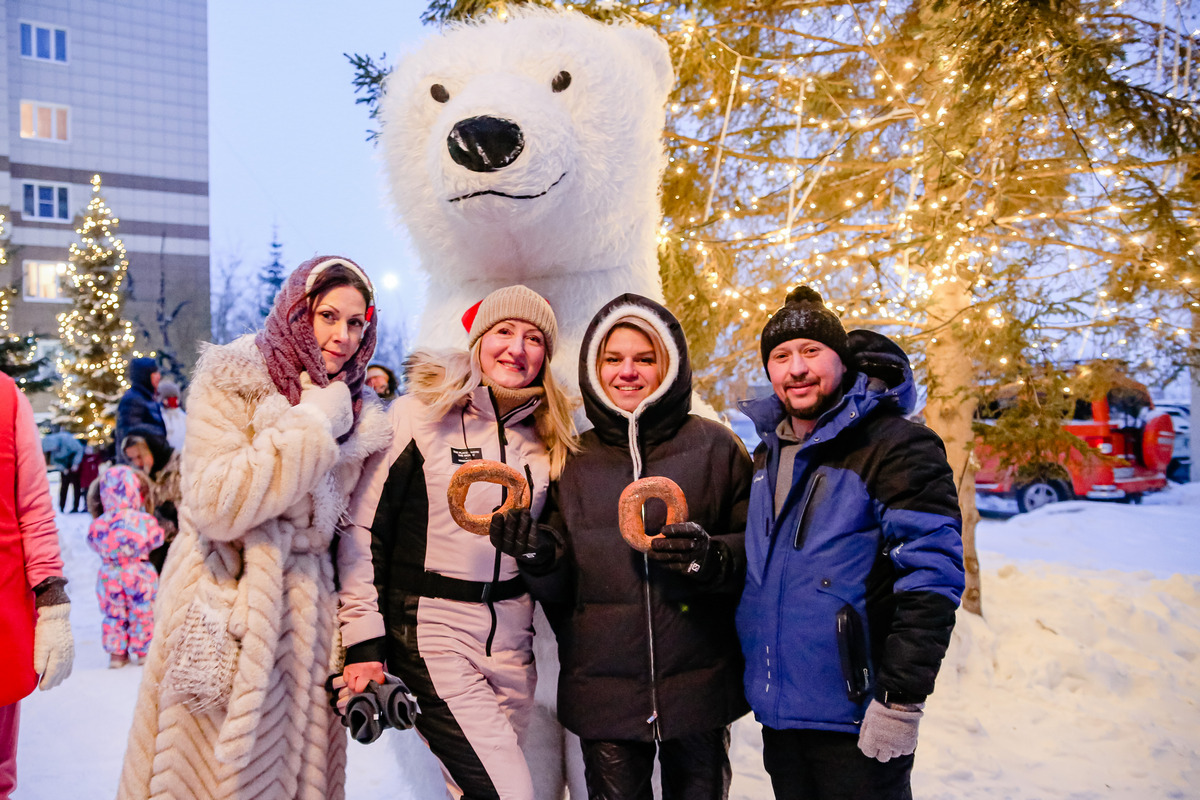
[{"x": 249, "y": 454}]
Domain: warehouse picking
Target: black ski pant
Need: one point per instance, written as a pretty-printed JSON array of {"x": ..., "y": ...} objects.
[
  {"x": 827, "y": 765},
  {"x": 69, "y": 481},
  {"x": 693, "y": 767}
]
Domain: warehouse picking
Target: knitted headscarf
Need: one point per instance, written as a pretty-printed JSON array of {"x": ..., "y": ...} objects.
[{"x": 289, "y": 346}]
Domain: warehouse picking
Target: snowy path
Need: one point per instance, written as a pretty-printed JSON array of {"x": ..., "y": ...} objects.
[{"x": 1081, "y": 682}]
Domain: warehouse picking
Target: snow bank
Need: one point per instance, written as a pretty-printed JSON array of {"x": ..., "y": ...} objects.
[{"x": 1076, "y": 684}]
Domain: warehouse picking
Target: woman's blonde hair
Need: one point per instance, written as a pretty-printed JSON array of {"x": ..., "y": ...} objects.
[{"x": 443, "y": 379}]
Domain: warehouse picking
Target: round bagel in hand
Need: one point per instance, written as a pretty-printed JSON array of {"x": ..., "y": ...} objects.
[
  {"x": 488, "y": 472},
  {"x": 635, "y": 495}
]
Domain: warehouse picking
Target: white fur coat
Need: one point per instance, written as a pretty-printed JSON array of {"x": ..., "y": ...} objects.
[{"x": 264, "y": 486}]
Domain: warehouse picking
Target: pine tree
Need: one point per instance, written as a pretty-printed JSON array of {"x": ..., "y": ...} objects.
[
  {"x": 97, "y": 343},
  {"x": 1003, "y": 185},
  {"x": 19, "y": 357},
  {"x": 272, "y": 276}
]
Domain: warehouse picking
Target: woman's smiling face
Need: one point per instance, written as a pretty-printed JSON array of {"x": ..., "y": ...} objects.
[
  {"x": 512, "y": 352},
  {"x": 629, "y": 369}
]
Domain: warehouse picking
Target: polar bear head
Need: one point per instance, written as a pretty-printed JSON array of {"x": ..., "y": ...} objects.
[{"x": 528, "y": 146}]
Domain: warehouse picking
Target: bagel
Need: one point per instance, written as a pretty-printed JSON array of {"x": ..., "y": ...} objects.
[
  {"x": 635, "y": 495},
  {"x": 488, "y": 472}
]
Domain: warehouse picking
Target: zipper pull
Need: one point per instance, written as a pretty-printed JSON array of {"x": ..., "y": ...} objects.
[{"x": 651, "y": 718}]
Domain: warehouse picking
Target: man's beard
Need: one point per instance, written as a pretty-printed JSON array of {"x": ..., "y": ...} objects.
[{"x": 815, "y": 410}]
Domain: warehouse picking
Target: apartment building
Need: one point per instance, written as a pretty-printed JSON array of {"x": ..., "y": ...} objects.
[{"x": 120, "y": 89}]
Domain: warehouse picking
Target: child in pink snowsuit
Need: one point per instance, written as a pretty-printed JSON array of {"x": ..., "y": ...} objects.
[{"x": 124, "y": 535}]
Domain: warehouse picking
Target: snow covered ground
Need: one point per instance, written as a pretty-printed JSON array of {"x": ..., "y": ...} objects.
[{"x": 1080, "y": 681}]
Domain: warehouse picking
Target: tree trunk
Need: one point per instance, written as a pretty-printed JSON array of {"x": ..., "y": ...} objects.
[
  {"x": 1194, "y": 371},
  {"x": 949, "y": 411}
]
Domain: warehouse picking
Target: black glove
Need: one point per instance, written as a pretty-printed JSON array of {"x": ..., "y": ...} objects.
[
  {"x": 684, "y": 547},
  {"x": 535, "y": 547}
]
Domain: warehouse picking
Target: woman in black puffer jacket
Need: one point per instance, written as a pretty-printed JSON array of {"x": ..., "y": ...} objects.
[{"x": 650, "y": 657}]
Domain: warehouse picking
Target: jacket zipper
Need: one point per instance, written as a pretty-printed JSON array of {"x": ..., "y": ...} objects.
[
  {"x": 653, "y": 719},
  {"x": 797, "y": 542},
  {"x": 502, "y": 439},
  {"x": 808, "y": 495}
]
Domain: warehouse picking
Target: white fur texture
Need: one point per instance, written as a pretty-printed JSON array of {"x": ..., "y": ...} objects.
[{"x": 592, "y": 156}]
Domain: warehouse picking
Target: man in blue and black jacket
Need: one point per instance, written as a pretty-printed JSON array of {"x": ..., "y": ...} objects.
[{"x": 854, "y": 560}]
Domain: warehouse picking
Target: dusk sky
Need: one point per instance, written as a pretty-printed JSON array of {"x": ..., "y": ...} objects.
[{"x": 287, "y": 141}]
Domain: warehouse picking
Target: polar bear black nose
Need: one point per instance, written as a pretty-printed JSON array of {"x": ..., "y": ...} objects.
[{"x": 485, "y": 144}]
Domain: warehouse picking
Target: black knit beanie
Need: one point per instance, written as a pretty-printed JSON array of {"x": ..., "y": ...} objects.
[{"x": 804, "y": 316}]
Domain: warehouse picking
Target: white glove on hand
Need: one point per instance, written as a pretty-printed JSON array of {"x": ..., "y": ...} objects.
[
  {"x": 332, "y": 400},
  {"x": 888, "y": 733},
  {"x": 53, "y": 645}
]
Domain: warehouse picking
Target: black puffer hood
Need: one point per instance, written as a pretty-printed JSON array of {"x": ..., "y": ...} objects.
[
  {"x": 662, "y": 413},
  {"x": 140, "y": 370}
]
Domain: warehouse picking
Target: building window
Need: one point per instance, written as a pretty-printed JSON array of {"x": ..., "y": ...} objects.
[
  {"x": 43, "y": 280},
  {"x": 43, "y": 42},
  {"x": 46, "y": 201},
  {"x": 44, "y": 121}
]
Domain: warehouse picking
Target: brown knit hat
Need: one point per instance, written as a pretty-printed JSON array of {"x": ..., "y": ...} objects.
[{"x": 512, "y": 302}]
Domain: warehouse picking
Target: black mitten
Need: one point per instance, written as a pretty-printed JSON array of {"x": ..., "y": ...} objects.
[
  {"x": 535, "y": 547},
  {"x": 685, "y": 547}
]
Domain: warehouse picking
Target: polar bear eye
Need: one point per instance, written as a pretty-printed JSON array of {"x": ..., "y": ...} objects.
[
  {"x": 439, "y": 93},
  {"x": 561, "y": 81}
]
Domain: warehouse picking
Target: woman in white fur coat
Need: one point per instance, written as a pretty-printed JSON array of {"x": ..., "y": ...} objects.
[{"x": 232, "y": 702}]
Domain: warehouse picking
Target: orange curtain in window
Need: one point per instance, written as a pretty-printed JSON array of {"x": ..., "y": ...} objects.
[{"x": 44, "y": 123}]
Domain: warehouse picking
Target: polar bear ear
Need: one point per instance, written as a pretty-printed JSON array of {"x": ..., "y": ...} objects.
[{"x": 654, "y": 51}]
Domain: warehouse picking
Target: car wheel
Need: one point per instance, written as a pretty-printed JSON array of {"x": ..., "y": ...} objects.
[{"x": 1040, "y": 493}]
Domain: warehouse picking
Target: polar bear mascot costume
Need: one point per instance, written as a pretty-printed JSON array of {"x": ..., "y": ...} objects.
[{"x": 527, "y": 148}]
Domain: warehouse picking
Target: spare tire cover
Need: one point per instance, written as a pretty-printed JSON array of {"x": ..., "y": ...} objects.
[{"x": 1158, "y": 442}]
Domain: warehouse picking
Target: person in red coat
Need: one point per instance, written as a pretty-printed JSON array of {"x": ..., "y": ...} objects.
[{"x": 35, "y": 632}]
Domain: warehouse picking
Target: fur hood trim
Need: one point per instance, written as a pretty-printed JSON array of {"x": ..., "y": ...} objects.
[
  {"x": 432, "y": 375},
  {"x": 237, "y": 367}
]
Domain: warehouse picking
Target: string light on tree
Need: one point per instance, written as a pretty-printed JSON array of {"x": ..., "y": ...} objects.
[
  {"x": 97, "y": 343},
  {"x": 921, "y": 163}
]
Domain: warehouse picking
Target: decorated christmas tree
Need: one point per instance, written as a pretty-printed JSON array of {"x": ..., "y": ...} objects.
[
  {"x": 97, "y": 343},
  {"x": 19, "y": 355}
]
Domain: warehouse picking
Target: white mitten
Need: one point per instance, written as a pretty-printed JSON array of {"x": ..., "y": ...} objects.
[
  {"x": 887, "y": 732},
  {"x": 53, "y": 645},
  {"x": 332, "y": 400}
]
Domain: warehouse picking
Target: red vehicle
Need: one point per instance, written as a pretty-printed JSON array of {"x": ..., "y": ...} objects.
[{"x": 1128, "y": 449}]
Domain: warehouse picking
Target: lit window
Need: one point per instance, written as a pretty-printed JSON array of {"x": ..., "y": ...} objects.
[
  {"x": 46, "y": 201},
  {"x": 43, "y": 280},
  {"x": 44, "y": 121},
  {"x": 43, "y": 42}
]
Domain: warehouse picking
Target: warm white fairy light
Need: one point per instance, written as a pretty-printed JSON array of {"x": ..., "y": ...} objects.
[
  {"x": 897, "y": 247},
  {"x": 95, "y": 352}
]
